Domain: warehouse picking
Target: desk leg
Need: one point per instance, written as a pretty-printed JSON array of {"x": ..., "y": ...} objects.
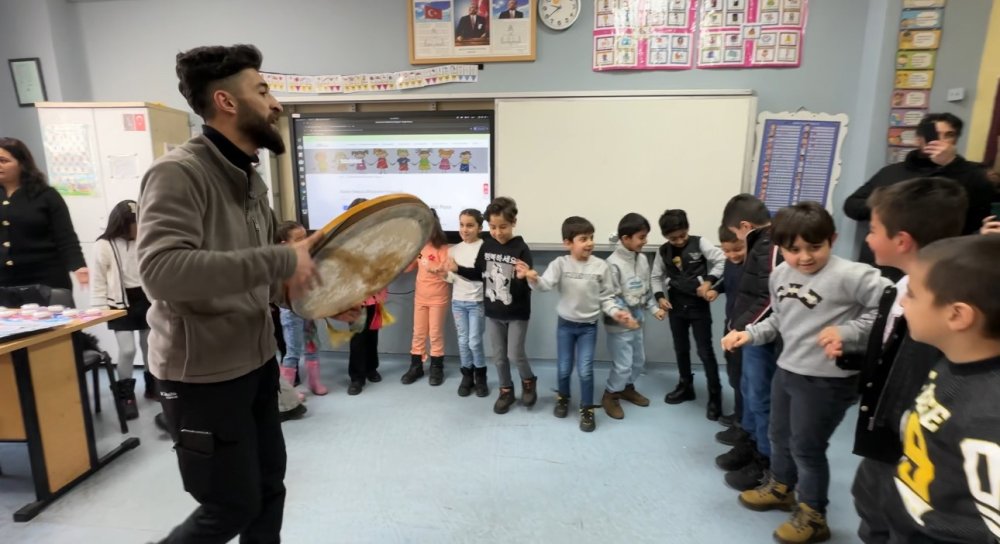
[{"x": 58, "y": 423}]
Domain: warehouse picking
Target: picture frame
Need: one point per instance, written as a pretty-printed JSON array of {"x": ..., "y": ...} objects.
[
  {"x": 446, "y": 32},
  {"x": 29, "y": 84}
]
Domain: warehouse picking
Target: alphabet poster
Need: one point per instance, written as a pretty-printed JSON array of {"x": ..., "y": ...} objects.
[{"x": 644, "y": 34}]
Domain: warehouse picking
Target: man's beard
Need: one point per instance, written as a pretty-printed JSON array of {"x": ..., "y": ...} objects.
[{"x": 260, "y": 131}]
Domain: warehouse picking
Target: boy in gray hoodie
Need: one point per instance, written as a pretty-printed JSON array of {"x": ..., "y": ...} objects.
[{"x": 630, "y": 273}]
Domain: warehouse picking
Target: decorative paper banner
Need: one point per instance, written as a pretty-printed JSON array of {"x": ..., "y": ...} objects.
[
  {"x": 797, "y": 157},
  {"x": 923, "y": 3},
  {"x": 752, "y": 33},
  {"x": 360, "y": 83},
  {"x": 644, "y": 34}
]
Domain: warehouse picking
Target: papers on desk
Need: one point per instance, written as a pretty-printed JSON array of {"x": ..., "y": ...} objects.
[{"x": 14, "y": 328}]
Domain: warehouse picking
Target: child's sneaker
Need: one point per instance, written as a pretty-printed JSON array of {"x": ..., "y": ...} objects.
[
  {"x": 528, "y": 393},
  {"x": 504, "y": 401},
  {"x": 750, "y": 476},
  {"x": 771, "y": 495},
  {"x": 806, "y": 525},
  {"x": 633, "y": 396},
  {"x": 562, "y": 406},
  {"x": 587, "y": 423}
]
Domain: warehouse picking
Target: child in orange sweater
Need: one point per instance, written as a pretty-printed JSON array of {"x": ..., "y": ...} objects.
[{"x": 432, "y": 295}]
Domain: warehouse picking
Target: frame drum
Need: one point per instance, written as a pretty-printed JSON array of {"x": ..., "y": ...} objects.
[{"x": 363, "y": 250}]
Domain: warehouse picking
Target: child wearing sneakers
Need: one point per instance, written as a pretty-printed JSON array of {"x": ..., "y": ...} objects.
[
  {"x": 301, "y": 336},
  {"x": 586, "y": 289},
  {"x": 895, "y": 365},
  {"x": 947, "y": 479},
  {"x": 684, "y": 270},
  {"x": 747, "y": 217},
  {"x": 507, "y": 300},
  {"x": 630, "y": 272},
  {"x": 823, "y": 306},
  {"x": 742, "y": 453},
  {"x": 467, "y": 306}
]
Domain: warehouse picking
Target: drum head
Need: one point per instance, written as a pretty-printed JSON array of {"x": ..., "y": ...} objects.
[{"x": 363, "y": 250}]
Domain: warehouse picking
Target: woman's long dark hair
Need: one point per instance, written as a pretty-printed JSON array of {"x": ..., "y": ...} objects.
[
  {"x": 437, "y": 239},
  {"x": 120, "y": 221},
  {"x": 32, "y": 179}
]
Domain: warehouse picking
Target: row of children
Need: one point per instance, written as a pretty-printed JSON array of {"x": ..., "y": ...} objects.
[{"x": 816, "y": 331}]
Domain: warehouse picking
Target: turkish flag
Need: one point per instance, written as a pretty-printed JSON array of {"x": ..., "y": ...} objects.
[{"x": 431, "y": 12}]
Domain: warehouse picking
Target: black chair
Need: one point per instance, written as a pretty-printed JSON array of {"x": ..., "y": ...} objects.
[{"x": 91, "y": 356}]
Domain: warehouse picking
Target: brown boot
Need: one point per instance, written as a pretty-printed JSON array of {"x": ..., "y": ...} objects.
[
  {"x": 529, "y": 395},
  {"x": 805, "y": 526},
  {"x": 633, "y": 396},
  {"x": 611, "y": 405}
]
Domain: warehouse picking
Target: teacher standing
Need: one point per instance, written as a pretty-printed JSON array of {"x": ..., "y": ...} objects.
[{"x": 37, "y": 242}]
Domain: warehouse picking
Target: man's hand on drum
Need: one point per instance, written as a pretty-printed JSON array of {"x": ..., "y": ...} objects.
[
  {"x": 306, "y": 275},
  {"x": 350, "y": 316}
]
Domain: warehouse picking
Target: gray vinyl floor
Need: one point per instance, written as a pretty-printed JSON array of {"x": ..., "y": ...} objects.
[{"x": 420, "y": 464}]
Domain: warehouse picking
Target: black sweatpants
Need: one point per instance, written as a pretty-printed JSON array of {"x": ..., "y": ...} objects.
[
  {"x": 363, "y": 358},
  {"x": 231, "y": 455},
  {"x": 701, "y": 326}
]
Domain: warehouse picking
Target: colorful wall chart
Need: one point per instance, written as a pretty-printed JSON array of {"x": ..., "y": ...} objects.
[
  {"x": 919, "y": 37},
  {"x": 751, "y": 33},
  {"x": 797, "y": 157},
  {"x": 644, "y": 34}
]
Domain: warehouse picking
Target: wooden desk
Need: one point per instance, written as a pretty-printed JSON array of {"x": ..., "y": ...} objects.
[{"x": 44, "y": 402}]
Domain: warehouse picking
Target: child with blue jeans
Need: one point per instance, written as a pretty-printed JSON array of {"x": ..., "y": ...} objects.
[
  {"x": 630, "y": 273},
  {"x": 747, "y": 217},
  {"x": 301, "y": 336},
  {"x": 586, "y": 290},
  {"x": 823, "y": 306},
  {"x": 467, "y": 306}
]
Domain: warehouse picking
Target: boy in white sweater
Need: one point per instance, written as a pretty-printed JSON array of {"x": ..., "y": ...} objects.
[
  {"x": 630, "y": 272},
  {"x": 586, "y": 290}
]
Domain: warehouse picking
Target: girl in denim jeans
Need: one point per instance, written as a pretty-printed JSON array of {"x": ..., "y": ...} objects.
[
  {"x": 467, "y": 306},
  {"x": 301, "y": 337}
]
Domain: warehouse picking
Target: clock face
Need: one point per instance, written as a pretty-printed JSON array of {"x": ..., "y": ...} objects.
[{"x": 558, "y": 14}]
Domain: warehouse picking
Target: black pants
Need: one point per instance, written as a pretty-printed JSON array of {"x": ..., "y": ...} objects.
[
  {"x": 734, "y": 370},
  {"x": 883, "y": 518},
  {"x": 364, "y": 349},
  {"x": 701, "y": 326},
  {"x": 231, "y": 455}
]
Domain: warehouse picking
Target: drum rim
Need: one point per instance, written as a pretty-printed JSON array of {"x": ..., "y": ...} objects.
[{"x": 355, "y": 215}]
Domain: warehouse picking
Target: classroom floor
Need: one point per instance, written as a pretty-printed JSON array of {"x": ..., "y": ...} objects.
[{"x": 420, "y": 464}]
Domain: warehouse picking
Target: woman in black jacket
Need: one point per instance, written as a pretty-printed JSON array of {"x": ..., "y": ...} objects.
[{"x": 37, "y": 242}]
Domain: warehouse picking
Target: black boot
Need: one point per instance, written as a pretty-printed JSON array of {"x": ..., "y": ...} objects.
[
  {"x": 479, "y": 377},
  {"x": 125, "y": 396},
  {"x": 465, "y": 388},
  {"x": 714, "y": 409},
  {"x": 437, "y": 371},
  {"x": 150, "y": 392},
  {"x": 683, "y": 392},
  {"x": 415, "y": 372},
  {"x": 751, "y": 475}
]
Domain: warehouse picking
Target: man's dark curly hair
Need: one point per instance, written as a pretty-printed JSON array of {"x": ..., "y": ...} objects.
[{"x": 203, "y": 70}]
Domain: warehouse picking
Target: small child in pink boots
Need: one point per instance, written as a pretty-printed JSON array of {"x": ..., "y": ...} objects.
[{"x": 301, "y": 336}]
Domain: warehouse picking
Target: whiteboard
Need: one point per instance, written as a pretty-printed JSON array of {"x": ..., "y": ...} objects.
[{"x": 603, "y": 157}]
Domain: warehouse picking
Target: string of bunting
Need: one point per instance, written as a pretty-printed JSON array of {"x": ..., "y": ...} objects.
[{"x": 376, "y": 82}]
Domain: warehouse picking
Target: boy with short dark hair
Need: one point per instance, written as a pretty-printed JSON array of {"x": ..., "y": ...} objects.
[
  {"x": 586, "y": 290},
  {"x": 630, "y": 272},
  {"x": 684, "y": 270},
  {"x": 823, "y": 306},
  {"x": 948, "y": 480},
  {"x": 735, "y": 251},
  {"x": 747, "y": 217},
  {"x": 895, "y": 366}
]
